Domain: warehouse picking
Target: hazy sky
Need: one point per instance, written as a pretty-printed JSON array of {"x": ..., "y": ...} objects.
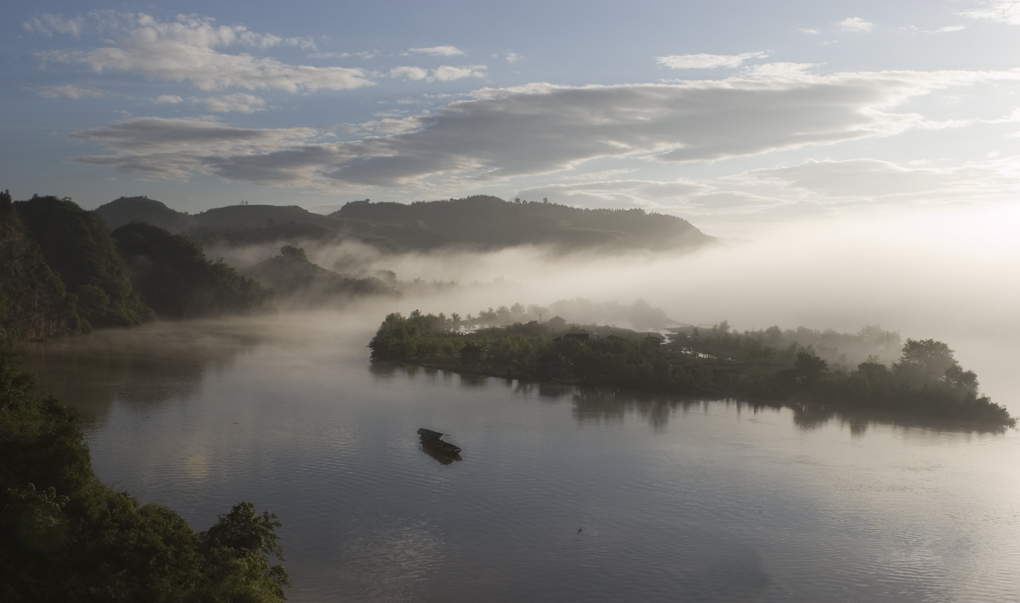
[{"x": 734, "y": 115}]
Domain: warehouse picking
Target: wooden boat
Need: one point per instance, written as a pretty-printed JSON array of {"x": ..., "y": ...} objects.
[{"x": 435, "y": 441}]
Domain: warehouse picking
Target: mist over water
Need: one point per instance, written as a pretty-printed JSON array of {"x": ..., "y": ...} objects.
[{"x": 950, "y": 275}]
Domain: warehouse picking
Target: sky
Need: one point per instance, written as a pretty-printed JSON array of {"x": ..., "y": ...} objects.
[{"x": 735, "y": 115}]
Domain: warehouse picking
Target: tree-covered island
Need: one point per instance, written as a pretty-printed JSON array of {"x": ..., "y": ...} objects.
[{"x": 762, "y": 365}]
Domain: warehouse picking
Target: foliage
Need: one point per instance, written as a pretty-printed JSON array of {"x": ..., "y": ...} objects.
[
  {"x": 716, "y": 361},
  {"x": 303, "y": 283},
  {"x": 65, "y": 536},
  {"x": 173, "y": 276},
  {"x": 77, "y": 245},
  {"x": 33, "y": 301}
]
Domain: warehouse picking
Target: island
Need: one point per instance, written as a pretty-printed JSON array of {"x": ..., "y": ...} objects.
[{"x": 795, "y": 368}]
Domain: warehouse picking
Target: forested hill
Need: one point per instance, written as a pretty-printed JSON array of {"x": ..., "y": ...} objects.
[
  {"x": 480, "y": 222},
  {"x": 62, "y": 271},
  {"x": 490, "y": 222}
]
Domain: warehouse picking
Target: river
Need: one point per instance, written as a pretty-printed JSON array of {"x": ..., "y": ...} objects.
[{"x": 559, "y": 495}]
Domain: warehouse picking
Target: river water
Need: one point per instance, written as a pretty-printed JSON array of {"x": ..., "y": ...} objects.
[{"x": 559, "y": 494}]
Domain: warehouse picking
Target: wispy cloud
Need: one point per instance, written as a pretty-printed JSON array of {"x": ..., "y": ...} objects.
[
  {"x": 186, "y": 50},
  {"x": 176, "y": 149},
  {"x": 408, "y": 72},
  {"x": 541, "y": 128},
  {"x": 856, "y": 24},
  {"x": 446, "y": 73},
  {"x": 438, "y": 51},
  {"x": 1000, "y": 11},
  {"x": 238, "y": 103},
  {"x": 707, "y": 61},
  {"x": 49, "y": 24},
  {"x": 72, "y": 91},
  {"x": 870, "y": 179}
]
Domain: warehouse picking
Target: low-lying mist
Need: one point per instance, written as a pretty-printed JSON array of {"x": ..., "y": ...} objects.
[{"x": 948, "y": 275}]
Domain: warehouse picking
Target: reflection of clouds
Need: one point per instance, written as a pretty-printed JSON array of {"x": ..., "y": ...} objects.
[{"x": 196, "y": 466}]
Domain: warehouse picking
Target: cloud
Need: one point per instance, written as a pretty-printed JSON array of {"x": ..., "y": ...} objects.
[
  {"x": 856, "y": 24},
  {"x": 707, "y": 61},
  {"x": 71, "y": 91},
  {"x": 49, "y": 24},
  {"x": 446, "y": 73},
  {"x": 439, "y": 51},
  {"x": 999, "y": 11},
  {"x": 777, "y": 71},
  {"x": 411, "y": 73},
  {"x": 512, "y": 58},
  {"x": 168, "y": 99},
  {"x": 541, "y": 128},
  {"x": 175, "y": 149},
  {"x": 544, "y": 128},
  {"x": 619, "y": 193},
  {"x": 871, "y": 179},
  {"x": 240, "y": 103},
  {"x": 364, "y": 55},
  {"x": 186, "y": 51}
]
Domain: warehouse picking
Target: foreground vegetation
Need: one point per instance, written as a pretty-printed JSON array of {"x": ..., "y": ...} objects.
[
  {"x": 768, "y": 364},
  {"x": 65, "y": 536}
]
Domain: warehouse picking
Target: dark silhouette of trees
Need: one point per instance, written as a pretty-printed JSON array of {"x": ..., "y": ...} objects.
[{"x": 65, "y": 536}]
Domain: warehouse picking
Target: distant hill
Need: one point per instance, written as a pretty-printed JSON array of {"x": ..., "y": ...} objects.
[
  {"x": 174, "y": 278},
  {"x": 257, "y": 216},
  {"x": 479, "y": 222},
  {"x": 303, "y": 284},
  {"x": 489, "y": 222},
  {"x": 125, "y": 210}
]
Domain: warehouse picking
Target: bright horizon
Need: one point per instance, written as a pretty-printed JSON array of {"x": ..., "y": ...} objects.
[{"x": 736, "y": 116}]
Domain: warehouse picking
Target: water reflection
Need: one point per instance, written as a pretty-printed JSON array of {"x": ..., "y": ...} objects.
[
  {"x": 142, "y": 368},
  {"x": 598, "y": 405},
  {"x": 443, "y": 457}
]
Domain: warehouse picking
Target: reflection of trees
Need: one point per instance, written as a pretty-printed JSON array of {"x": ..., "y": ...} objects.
[
  {"x": 607, "y": 405},
  {"x": 141, "y": 368},
  {"x": 811, "y": 416}
]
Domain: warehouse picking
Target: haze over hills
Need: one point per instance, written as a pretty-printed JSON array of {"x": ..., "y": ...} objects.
[{"x": 481, "y": 222}]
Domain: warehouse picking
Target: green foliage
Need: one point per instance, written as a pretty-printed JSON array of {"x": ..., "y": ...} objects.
[
  {"x": 77, "y": 245},
  {"x": 65, "y": 536},
  {"x": 715, "y": 361},
  {"x": 173, "y": 276},
  {"x": 33, "y": 301}
]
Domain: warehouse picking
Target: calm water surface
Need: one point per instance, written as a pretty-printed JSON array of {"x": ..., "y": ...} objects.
[{"x": 560, "y": 495}]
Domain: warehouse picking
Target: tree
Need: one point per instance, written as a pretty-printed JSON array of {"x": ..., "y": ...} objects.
[
  {"x": 925, "y": 360},
  {"x": 809, "y": 367},
  {"x": 538, "y": 310}
]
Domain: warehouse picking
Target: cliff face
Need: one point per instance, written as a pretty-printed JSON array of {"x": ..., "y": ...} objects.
[{"x": 33, "y": 301}]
